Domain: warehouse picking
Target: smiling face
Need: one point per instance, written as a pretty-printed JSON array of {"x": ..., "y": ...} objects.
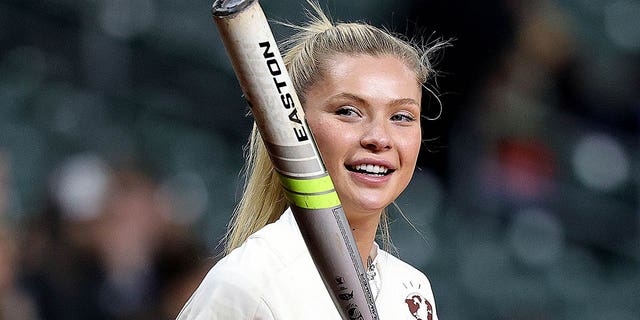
[{"x": 364, "y": 113}]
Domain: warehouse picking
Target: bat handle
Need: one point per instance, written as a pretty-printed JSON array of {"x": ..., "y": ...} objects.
[{"x": 223, "y": 8}]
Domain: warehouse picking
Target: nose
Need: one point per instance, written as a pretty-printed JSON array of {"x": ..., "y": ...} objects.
[{"x": 376, "y": 136}]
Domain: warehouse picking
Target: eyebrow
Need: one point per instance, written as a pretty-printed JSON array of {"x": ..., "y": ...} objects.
[
  {"x": 404, "y": 101},
  {"x": 347, "y": 96},
  {"x": 352, "y": 97}
]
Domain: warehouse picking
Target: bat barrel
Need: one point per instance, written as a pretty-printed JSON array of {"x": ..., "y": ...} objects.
[{"x": 279, "y": 116}]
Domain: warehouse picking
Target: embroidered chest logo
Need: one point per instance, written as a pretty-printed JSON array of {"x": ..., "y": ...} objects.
[{"x": 418, "y": 305}]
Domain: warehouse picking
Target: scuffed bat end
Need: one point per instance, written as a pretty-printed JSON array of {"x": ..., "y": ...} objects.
[{"x": 222, "y": 8}]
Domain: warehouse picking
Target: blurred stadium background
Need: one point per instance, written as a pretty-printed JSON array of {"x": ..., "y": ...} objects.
[{"x": 122, "y": 130}]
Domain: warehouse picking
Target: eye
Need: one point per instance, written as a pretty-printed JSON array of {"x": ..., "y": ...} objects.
[
  {"x": 403, "y": 117},
  {"x": 347, "y": 111}
]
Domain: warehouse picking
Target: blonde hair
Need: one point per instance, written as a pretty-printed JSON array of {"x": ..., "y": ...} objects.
[{"x": 305, "y": 54}]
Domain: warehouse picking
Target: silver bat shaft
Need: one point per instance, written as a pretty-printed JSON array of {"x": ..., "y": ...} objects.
[{"x": 278, "y": 113}]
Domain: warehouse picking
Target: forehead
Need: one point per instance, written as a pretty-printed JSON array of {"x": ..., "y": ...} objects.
[
  {"x": 329, "y": 63},
  {"x": 374, "y": 75}
]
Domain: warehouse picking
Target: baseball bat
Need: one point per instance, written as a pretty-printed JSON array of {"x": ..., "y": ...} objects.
[{"x": 279, "y": 116}]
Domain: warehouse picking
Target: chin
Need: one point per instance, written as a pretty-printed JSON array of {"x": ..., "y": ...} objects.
[{"x": 372, "y": 204}]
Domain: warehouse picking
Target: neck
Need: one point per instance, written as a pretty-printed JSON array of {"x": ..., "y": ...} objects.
[{"x": 364, "y": 232}]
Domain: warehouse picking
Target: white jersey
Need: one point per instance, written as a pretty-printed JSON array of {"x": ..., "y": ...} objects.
[{"x": 272, "y": 276}]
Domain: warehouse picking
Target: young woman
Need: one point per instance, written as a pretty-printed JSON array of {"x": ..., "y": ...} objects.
[{"x": 361, "y": 91}]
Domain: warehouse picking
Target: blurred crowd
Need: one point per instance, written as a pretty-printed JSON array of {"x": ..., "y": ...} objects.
[
  {"x": 102, "y": 246},
  {"x": 542, "y": 165},
  {"x": 121, "y": 134}
]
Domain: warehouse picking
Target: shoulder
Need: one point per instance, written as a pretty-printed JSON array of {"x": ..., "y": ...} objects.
[
  {"x": 224, "y": 295},
  {"x": 269, "y": 250},
  {"x": 235, "y": 287},
  {"x": 232, "y": 289}
]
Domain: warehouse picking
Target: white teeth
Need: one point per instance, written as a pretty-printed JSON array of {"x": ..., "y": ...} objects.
[{"x": 371, "y": 168}]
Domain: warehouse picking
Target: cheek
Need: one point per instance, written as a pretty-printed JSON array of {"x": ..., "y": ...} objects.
[
  {"x": 409, "y": 147},
  {"x": 328, "y": 140}
]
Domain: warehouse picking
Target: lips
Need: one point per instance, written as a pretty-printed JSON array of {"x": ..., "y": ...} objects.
[{"x": 374, "y": 169}]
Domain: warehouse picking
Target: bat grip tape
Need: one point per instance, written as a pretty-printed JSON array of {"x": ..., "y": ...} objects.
[{"x": 314, "y": 193}]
